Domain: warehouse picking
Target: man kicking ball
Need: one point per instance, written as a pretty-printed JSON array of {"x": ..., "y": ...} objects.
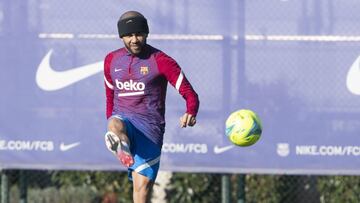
[{"x": 136, "y": 78}]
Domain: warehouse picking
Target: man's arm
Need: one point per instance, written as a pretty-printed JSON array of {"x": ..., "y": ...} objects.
[
  {"x": 172, "y": 71},
  {"x": 109, "y": 88}
]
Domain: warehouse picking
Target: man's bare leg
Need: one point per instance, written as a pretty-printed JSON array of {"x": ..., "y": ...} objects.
[
  {"x": 142, "y": 187},
  {"x": 118, "y": 141}
]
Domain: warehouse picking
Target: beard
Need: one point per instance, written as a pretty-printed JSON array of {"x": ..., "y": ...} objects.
[{"x": 135, "y": 49}]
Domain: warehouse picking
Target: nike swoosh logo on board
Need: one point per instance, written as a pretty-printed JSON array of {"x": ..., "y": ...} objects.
[
  {"x": 50, "y": 80},
  {"x": 353, "y": 77},
  {"x": 219, "y": 150},
  {"x": 66, "y": 147}
]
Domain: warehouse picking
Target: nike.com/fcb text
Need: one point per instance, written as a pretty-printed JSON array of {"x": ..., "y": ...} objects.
[
  {"x": 197, "y": 148},
  {"x": 322, "y": 150},
  {"x": 24, "y": 145}
]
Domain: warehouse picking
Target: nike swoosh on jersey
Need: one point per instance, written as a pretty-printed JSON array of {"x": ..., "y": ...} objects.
[
  {"x": 50, "y": 80},
  {"x": 353, "y": 77},
  {"x": 219, "y": 150},
  {"x": 66, "y": 147}
]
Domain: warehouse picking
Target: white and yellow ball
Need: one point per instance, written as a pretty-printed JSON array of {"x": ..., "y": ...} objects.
[{"x": 243, "y": 127}]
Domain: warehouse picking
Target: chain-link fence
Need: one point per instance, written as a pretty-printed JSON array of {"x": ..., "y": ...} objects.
[
  {"x": 232, "y": 45},
  {"x": 113, "y": 187}
]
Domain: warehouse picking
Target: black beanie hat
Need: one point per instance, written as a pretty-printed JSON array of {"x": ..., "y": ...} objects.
[{"x": 130, "y": 25}]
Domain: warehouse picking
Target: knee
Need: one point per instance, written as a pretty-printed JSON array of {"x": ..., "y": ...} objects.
[
  {"x": 143, "y": 188},
  {"x": 116, "y": 125},
  {"x": 142, "y": 191}
]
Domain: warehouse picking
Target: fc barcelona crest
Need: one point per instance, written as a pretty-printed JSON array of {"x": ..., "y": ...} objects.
[{"x": 144, "y": 70}]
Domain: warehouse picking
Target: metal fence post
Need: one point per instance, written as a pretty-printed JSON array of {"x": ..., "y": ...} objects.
[
  {"x": 240, "y": 5},
  {"x": 225, "y": 188},
  {"x": 4, "y": 187},
  {"x": 241, "y": 189},
  {"x": 23, "y": 187}
]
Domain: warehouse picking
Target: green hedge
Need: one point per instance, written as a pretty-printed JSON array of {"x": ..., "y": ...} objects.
[{"x": 93, "y": 187}]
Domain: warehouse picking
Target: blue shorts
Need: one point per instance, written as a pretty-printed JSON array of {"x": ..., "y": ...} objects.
[{"x": 146, "y": 153}]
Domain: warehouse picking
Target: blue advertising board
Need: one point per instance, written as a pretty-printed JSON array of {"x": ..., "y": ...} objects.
[{"x": 299, "y": 72}]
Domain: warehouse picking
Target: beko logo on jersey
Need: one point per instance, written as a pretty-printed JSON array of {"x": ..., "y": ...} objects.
[
  {"x": 137, "y": 88},
  {"x": 130, "y": 85}
]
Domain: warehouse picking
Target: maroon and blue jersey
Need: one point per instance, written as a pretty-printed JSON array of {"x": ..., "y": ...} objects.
[{"x": 136, "y": 88}]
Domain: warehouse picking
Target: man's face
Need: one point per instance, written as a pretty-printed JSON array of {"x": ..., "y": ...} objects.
[{"x": 134, "y": 42}]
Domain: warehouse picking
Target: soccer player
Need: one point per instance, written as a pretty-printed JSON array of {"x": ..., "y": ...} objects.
[{"x": 136, "y": 78}]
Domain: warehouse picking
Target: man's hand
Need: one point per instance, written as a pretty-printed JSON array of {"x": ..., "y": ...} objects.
[{"x": 187, "y": 120}]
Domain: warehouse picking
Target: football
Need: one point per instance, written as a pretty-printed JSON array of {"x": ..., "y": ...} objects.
[{"x": 243, "y": 127}]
